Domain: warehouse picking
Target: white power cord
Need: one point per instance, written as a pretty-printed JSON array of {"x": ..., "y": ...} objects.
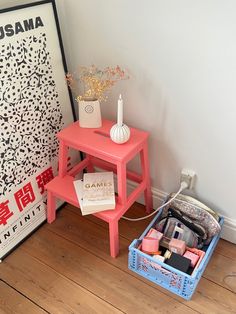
[{"x": 183, "y": 186}]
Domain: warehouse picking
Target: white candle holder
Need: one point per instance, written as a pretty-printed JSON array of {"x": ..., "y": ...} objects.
[{"x": 120, "y": 132}]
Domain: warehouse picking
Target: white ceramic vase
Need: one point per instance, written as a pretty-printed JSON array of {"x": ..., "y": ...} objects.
[{"x": 90, "y": 114}]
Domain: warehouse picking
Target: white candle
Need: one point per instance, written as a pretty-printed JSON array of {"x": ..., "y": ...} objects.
[{"x": 120, "y": 111}]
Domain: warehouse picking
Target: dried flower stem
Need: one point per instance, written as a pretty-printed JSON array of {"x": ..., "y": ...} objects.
[{"x": 96, "y": 82}]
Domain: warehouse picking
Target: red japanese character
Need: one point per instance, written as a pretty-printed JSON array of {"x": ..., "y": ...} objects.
[
  {"x": 24, "y": 196},
  {"x": 45, "y": 177},
  {"x": 5, "y": 213}
]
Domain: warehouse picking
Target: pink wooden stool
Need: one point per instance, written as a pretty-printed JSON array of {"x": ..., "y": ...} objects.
[{"x": 100, "y": 151}]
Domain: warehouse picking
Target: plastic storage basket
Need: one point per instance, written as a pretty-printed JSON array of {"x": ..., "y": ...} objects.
[{"x": 164, "y": 275}]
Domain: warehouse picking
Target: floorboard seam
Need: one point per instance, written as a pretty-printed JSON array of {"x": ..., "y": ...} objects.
[{"x": 6, "y": 283}]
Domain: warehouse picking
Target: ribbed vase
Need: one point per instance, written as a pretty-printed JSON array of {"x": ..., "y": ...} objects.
[{"x": 120, "y": 133}]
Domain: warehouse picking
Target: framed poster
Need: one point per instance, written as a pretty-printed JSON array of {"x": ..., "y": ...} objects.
[{"x": 35, "y": 104}]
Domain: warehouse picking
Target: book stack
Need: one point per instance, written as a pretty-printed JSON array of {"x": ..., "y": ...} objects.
[{"x": 95, "y": 192}]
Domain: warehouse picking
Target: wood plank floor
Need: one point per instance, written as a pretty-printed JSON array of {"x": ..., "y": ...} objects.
[{"x": 65, "y": 267}]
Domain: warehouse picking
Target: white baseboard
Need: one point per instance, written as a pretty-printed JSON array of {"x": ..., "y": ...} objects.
[
  {"x": 229, "y": 230},
  {"x": 229, "y": 227}
]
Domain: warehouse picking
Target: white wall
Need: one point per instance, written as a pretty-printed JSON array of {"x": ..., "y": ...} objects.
[
  {"x": 181, "y": 56},
  {"x": 182, "y": 59}
]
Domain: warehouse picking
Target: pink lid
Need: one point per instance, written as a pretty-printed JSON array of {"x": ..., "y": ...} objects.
[{"x": 150, "y": 244}]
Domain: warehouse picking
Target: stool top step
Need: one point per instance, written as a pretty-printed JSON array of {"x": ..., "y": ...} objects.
[{"x": 97, "y": 141}]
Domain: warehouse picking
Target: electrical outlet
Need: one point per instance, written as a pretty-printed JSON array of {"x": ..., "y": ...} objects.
[{"x": 188, "y": 176}]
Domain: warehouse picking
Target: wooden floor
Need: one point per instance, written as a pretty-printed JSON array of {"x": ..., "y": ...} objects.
[{"x": 66, "y": 268}]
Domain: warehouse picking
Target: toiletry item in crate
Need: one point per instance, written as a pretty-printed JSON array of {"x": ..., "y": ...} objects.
[
  {"x": 165, "y": 242},
  {"x": 167, "y": 254},
  {"x": 150, "y": 245},
  {"x": 198, "y": 252},
  {"x": 174, "y": 245},
  {"x": 153, "y": 233},
  {"x": 159, "y": 258},
  {"x": 178, "y": 262},
  {"x": 193, "y": 257},
  {"x": 177, "y": 246}
]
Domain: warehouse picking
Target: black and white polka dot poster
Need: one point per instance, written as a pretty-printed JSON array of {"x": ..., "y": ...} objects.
[{"x": 34, "y": 106}]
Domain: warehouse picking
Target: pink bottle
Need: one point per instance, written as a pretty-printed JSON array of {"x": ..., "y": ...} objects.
[{"x": 177, "y": 246}]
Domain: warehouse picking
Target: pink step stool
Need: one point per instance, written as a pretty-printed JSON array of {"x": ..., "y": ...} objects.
[{"x": 100, "y": 151}]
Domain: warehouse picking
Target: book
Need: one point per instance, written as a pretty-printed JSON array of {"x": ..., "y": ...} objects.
[
  {"x": 78, "y": 184},
  {"x": 95, "y": 192}
]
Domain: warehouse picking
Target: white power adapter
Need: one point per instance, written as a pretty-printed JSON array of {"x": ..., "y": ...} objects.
[{"x": 188, "y": 176}]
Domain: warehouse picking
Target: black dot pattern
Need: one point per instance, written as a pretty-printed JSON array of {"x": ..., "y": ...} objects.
[{"x": 30, "y": 112}]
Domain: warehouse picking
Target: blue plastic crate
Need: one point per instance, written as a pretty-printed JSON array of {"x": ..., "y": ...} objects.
[{"x": 164, "y": 275}]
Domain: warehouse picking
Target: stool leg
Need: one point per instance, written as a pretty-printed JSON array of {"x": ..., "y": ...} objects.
[
  {"x": 51, "y": 207},
  {"x": 90, "y": 166},
  {"x": 121, "y": 183},
  {"x": 63, "y": 152},
  {"x": 114, "y": 238},
  {"x": 146, "y": 177}
]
